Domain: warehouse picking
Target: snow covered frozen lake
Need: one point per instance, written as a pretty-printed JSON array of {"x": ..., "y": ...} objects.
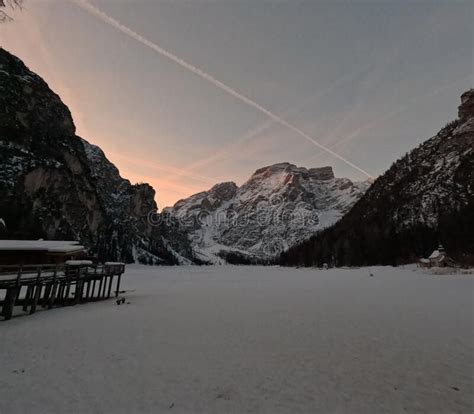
[{"x": 228, "y": 339}]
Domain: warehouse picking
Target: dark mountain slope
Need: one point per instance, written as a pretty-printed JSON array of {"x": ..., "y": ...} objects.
[
  {"x": 425, "y": 198},
  {"x": 54, "y": 185}
]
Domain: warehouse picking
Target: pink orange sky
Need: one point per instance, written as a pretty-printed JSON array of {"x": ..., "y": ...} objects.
[{"x": 370, "y": 80}]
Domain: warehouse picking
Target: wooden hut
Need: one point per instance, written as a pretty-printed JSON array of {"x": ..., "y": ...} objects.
[
  {"x": 438, "y": 258},
  {"x": 15, "y": 252}
]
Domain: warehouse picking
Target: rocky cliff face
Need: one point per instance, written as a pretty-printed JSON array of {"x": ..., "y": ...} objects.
[
  {"x": 278, "y": 206},
  {"x": 425, "y": 198},
  {"x": 57, "y": 186}
]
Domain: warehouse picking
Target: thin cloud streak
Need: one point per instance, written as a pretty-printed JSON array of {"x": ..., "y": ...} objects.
[
  {"x": 129, "y": 32},
  {"x": 344, "y": 142},
  {"x": 259, "y": 129},
  {"x": 160, "y": 167}
]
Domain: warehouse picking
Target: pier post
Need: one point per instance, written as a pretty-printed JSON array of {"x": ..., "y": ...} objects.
[{"x": 37, "y": 292}]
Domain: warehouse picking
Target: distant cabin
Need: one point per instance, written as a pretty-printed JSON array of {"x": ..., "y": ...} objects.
[
  {"x": 438, "y": 258},
  {"x": 15, "y": 252}
]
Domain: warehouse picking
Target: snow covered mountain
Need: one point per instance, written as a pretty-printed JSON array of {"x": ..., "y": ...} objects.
[
  {"x": 55, "y": 185},
  {"x": 279, "y": 205},
  {"x": 425, "y": 198}
]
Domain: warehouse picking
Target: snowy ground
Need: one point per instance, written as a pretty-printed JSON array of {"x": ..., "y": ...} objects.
[{"x": 249, "y": 340}]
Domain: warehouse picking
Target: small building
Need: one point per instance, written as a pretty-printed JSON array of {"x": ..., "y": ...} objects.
[
  {"x": 14, "y": 252},
  {"x": 438, "y": 258}
]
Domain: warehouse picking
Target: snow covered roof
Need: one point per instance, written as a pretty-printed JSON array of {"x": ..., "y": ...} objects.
[
  {"x": 50, "y": 246},
  {"x": 78, "y": 262}
]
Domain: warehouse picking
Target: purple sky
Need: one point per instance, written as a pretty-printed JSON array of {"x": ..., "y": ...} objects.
[{"x": 368, "y": 79}]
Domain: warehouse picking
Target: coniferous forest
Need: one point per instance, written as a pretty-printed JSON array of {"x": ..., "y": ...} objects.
[{"x": 425, "y": 198}]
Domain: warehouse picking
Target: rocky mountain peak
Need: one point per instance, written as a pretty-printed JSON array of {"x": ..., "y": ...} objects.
[
  {"x": 466, "y": 109},
  {"x": 223, "y": 191},
  {"x": 55, "y": 185},
  {"x": 32, "y": 105},
  {"x": 323, "y": 173},
  {"x": 285, "y": 179},
  {"x": 320, "y": 173},
  {"x": 425, "y": 197},
  {"x": 277, "y": 206}
]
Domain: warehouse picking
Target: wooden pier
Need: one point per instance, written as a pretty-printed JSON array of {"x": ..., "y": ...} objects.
[{"x": 48, "y": 286}]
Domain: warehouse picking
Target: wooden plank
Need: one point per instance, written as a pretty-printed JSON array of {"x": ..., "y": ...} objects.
[
  {"x": 67, "y": 289},
  {"x": 100, "y": 287},
  {"x": 78, "y": 292},
  {"x": 88, "y": 291},
  {"x": 52, "y": 298},
  {"x": 118, "y": 285},
  {"x": 104, "y": 290},
  {"x": 9, "y": 302},
  {"x": 36, "y": 298},
  {"x": 47, "y": 293},
  {"x": 37, "y": 295},
  {"x": 49, "y": 288},
  {"x": 61, "y": 288},
  {"x": 28, "y": 295},
  {"x": 11, "y": 296},
  {"x": 93, "y": 289},
  {"x": 110, "y": 286}
]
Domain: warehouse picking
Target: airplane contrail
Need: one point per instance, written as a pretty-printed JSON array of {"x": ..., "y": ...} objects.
[
  {"x": 262, "y": 127},
  {"x": 163, "y": 52},
  {"x": 345, "y": 141}
]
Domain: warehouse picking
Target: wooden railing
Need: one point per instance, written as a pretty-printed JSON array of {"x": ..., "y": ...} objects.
[{"x": 30, "y": 286}]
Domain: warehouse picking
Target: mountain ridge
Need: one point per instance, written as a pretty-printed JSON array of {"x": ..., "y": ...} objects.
[
  {"x": 277, "y": 206},
  {"x": 424, "y": 198},
  {"x": 55, "y": 185}
]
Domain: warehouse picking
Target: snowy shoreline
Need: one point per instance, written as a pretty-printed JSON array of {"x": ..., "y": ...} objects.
[{"x": 235, "y": 339}]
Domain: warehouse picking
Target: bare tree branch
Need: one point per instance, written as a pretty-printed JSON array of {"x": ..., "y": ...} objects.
[{"x": 13, "y": 4}]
